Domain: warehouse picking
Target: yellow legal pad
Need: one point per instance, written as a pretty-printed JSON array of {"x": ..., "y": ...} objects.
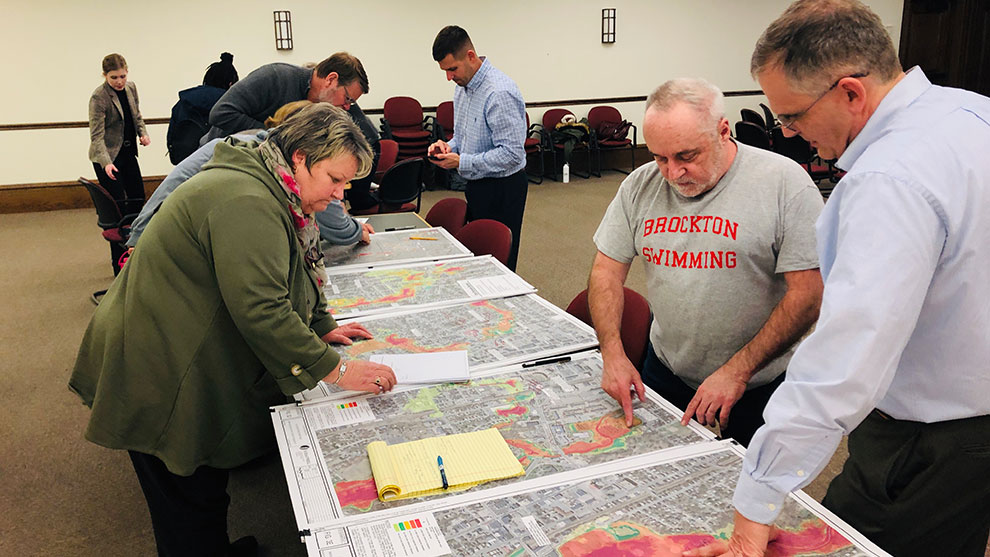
[{"x": 410, "y": 469}]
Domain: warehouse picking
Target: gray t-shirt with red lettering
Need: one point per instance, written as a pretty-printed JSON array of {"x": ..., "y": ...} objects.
[{"x": 714, "y": 263}]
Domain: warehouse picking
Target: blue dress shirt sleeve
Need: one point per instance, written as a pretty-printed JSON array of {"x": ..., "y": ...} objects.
[
  {"x": 882, "y": 240},
  {"x": 505, "y": 116}
]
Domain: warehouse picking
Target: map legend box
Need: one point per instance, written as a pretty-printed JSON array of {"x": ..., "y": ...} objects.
[{"x": 407, "y": 525}]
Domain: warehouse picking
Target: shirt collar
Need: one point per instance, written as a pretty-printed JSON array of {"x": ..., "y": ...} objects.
[
  {"x": 479, "y": 76},
  {"x": 912, "y": 86}
]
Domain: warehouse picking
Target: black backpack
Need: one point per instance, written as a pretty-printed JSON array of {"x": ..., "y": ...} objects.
[{"x": 186, "y": 126}]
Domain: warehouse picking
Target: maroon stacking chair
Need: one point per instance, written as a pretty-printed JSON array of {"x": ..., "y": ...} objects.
[
  {"x": 600, "y": 114},
  {"x": 537, "y": 143},
  {"x": 401, "y": 185},
  {"x": 551, "y": 118},
  {"x": 389, "y": 153},
  {"x": 449, "y": 213},
  {"x": 486, "y": 237},
  {"x": 404, "y": 123},
  {"x": 635, "y": 327},
  {"x": 114, "y": 222},
  {"x": 445, "y": 120}
]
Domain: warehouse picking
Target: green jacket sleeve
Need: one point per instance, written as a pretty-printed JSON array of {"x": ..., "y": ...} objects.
[
  {"x": 323, "y": 322},
  {"x": 267, "y": 292}
]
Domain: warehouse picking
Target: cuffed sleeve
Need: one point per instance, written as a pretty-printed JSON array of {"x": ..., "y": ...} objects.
[{"x": 757, "y": 502}]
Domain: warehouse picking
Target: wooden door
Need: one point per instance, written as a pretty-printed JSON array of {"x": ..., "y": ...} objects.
[{"x": 950, "y": 40}]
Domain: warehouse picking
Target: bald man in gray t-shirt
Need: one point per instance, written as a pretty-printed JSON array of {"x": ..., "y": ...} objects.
[{"x": 726, "y": 234}]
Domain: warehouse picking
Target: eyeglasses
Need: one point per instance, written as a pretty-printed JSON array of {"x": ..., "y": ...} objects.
[
  {"x": 787, "y": 120},
  {"x": 348, "y": 99}
]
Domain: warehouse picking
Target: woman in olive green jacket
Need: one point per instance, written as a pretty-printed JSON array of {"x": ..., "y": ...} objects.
[{"x": 219, "y": 316}]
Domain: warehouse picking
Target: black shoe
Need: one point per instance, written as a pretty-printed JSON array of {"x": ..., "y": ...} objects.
[{"x": 244, "y": 547}]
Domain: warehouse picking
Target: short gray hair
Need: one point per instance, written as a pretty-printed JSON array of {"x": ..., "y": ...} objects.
[
  {"x": 323, "y": 131},
  {"x": 695, "y": 92},
  {"x": 815, "y": 42}
]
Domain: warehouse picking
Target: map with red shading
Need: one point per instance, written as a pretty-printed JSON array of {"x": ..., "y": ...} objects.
[
  {"x": 608, "y": 433},
  {"x": 555, "y": 418},
  {"x": 494, "y": 332},
  {"x": 389, "y": 248},
  {"x": 625, "y": 538},
  {"x": 354, "y": 293},
  {"x": 647, "y": 508},
  {"x": 358, "y": 494}
]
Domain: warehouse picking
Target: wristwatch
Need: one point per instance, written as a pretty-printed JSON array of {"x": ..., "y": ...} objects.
[{"x": 340, "y": 374}]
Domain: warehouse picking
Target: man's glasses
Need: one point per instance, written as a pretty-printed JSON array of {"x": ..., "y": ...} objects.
[
  {"x": 348, "y": 99},
  {"x": 787, "y": 120}
]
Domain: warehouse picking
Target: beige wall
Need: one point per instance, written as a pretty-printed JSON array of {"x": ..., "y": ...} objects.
[{"x": 551, "y": 48}]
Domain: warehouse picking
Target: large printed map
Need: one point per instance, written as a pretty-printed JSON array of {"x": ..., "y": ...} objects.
[
  {"x": 401, "y": 246},
  {"x": 659, "y": 510},
  {"x": 638, "y": 507},
  {"x": 495, "y": 333},
  {"x": 554, "y": 417},
  {"x": 356, "y": 293}
]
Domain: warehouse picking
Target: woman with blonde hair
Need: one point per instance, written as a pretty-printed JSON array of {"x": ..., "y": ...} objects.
[
  {"x": 115, "y": 129},
  {"x": 219, "y": 316}
]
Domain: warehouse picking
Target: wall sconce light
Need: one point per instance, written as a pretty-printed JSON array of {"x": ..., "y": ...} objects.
[
  {"x": 283, "y": 30},
  {"x": 608, "y": 25}
]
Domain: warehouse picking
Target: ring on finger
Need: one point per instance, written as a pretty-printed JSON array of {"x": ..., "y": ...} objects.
[{"x": 378, "y": 381}]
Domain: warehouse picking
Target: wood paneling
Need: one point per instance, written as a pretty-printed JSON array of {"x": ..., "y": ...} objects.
[
  {"x": 950, "y": 40},
  {"x": 52, "y": 196}
]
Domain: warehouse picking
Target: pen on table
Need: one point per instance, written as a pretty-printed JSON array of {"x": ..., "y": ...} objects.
[
  {"x": 394, "y": 228},
  {"x": 559, "y": 360},
  {"x": 443, "y": 474},
  {"x": 421, "y": 238}
]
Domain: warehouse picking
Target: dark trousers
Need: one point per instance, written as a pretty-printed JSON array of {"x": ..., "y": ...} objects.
[
  {"x": 189, "y": 514},
  {"x": 128, "y": 184},
  {"x": 128, "y": 188},
  {"x": 746, "y": 415},
  {"x": 916, "y": 488},
  {"x": 501, "y": 199}
]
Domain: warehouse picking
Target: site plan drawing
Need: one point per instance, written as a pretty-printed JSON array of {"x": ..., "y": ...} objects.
[
  {"x": 495, "y": 333},
  {"x": 399, "y": 246},
  {"x": 359, "y": 292},
  {"x": 554, "y": 417},
  {"x": 657, "y": 504}
]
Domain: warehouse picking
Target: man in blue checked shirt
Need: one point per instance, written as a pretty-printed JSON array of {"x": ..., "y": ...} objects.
[
  {"x": 899, "y": 358},
  {"x": 489, "y": 132}
]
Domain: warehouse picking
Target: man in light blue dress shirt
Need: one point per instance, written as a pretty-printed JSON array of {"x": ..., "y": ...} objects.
[
  {"x": 487, "y": 148},
  {"x": 899, "y": 358}
]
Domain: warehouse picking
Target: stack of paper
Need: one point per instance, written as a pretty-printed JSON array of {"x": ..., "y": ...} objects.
[
  {"x": 411, "y": 470},
  {"x": 426, "y": 368}
]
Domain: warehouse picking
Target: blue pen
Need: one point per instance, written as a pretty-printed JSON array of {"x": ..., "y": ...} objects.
[{"x": 443, "y": 474}]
